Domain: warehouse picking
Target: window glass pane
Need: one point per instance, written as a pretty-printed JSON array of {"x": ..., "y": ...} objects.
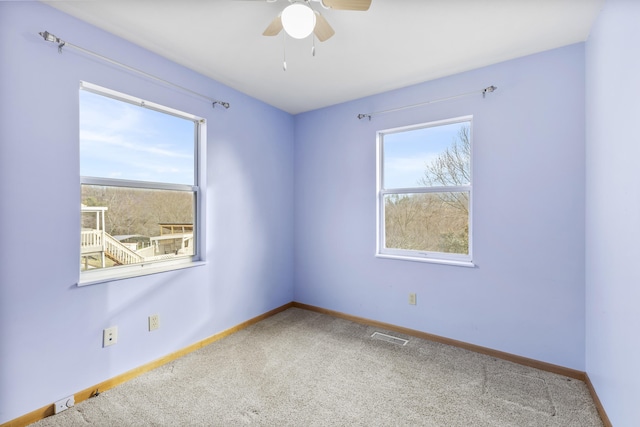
[
  {"x": 119, "y": 140},
  {"x": 427, "y": 157},
  {"x": 433, "y": 222},
  {"x": 122, "y": 226}
]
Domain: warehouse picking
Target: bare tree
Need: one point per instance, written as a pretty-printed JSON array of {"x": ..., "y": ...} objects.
[
  {"x": 452, "y": 168},
  {"x": 138, "y": 211}
]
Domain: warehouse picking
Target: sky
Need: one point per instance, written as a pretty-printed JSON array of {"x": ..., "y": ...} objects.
[
  {"x": 119, "y": 140},
  {"x": 124, "y": 141},
  {"x": 407, "y": 152}
]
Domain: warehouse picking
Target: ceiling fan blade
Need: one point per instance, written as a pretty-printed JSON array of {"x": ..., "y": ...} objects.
[
  {"x": 274, "y": 28},
  {"x": 322, "y": 30},
  {"x": 347, "y": 4}
]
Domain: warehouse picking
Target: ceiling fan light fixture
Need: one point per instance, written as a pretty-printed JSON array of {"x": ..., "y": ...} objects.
[{"x": 298, "y": 20}]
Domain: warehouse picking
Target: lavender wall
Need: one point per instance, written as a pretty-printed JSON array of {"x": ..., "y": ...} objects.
[
  {"x": 526, "y": 295},
  {"x": 613, "y": 210},
  {"x": 50, "y": 330}
]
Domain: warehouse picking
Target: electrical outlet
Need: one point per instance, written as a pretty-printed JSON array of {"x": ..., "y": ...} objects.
[
  {"x": 154, "y": 322},
  {"x": 63, "y": 404},
  {"x": 110, "y": 336},
  {"x": 412, "y": 299}
]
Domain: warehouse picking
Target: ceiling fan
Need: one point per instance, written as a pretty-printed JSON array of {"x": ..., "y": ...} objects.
[{"x": 299, "y": 20}]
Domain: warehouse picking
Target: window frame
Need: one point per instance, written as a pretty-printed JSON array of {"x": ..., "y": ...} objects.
[
  {"x": 465, "y": 260},
  {"x": 101, "y": 275}
]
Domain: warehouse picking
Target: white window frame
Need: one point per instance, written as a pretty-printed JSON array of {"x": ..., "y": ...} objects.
[
  {"x": 465, "y": 260},
  {"x": 101, "y": 275}
]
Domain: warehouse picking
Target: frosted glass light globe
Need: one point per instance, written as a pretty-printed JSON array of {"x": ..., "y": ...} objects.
[{"x": 298, "y": 20}]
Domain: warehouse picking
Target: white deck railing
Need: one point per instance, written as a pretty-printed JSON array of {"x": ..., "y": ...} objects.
[{"x": 92, "y": 241}]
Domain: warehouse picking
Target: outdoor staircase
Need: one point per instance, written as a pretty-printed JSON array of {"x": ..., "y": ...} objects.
[
  {"x": 119, "y": 253},
  {"x": 92, "y": 241}
]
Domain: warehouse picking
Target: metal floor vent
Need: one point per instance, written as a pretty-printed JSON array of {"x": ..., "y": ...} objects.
[{"x": 389, "y": 338}]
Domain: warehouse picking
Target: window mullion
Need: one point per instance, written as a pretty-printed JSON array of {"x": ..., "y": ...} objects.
[
  {"x": 108, "y": 182},
  {"x": 448, "y": 189}
]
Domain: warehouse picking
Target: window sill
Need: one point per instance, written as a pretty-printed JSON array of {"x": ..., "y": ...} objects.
[
  {"x": 468, "y": 264},
  {"x": 104, "y": 275}
]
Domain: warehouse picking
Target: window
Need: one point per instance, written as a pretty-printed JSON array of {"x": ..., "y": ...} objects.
[
  {"x": 140, "y": 186},
  {"x": 424, "y": 192}
]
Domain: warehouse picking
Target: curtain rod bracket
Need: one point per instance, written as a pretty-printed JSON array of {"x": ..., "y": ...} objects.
[
  {"x": 224, "y": 104},
  {"x": 47, "y": 36},
  {"x": 362, "y": 116},
  {"x": 488, "y": 90}
]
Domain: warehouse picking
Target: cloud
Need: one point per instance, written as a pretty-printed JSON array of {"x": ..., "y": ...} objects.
[
  {"x": 130, "y": 144},
  {"x": 124, "y": 141}
]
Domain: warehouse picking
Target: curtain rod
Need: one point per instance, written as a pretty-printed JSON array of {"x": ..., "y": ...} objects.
[
  {"x": 47, "y": 36},
  {"x": 484, "y": 93}
]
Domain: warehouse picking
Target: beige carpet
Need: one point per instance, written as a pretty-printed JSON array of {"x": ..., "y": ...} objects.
[{"x": 301, "y": 368}]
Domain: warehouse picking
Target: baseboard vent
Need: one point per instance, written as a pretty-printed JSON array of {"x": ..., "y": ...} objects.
[{"x": 389, "y": 338}]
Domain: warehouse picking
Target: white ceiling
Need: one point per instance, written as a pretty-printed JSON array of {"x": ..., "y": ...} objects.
[{"x": 392, "y": 45}]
